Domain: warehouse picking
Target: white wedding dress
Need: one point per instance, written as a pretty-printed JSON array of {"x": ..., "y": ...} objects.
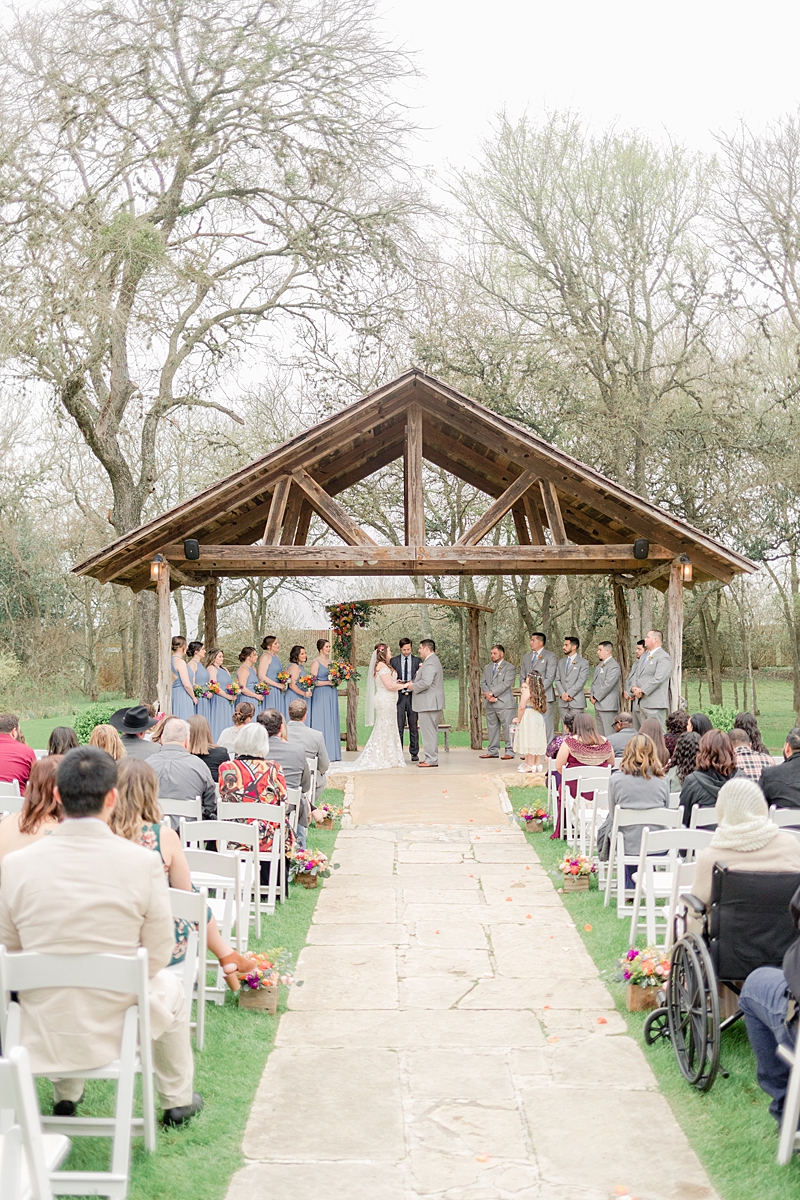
[{"x": 384, "y": 749}]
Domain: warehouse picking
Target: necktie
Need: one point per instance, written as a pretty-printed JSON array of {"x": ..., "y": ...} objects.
[
  {"x": 494, "y": 672},
  {"x": 405, "y": 669}
]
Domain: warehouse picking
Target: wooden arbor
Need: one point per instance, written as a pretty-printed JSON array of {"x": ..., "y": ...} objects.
[{"x": 568, "y": 518}]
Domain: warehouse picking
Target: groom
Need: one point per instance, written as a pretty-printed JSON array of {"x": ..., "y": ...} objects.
[
  {"x": 428, "y": 701},
  {"x": 406, "y": 665}
]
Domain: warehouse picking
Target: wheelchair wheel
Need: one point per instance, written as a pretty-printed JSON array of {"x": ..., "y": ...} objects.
[
  {"x": 656, "y": 1026},
  {"x": 693, "y": 1012}
]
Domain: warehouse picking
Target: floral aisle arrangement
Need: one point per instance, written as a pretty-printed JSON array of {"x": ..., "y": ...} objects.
[
  {"x": 341, "y": 672},
  {"x": 308, "y": 866},
  {"x": 344, "y": 618},
  {"x": 259, "y": 987},
  {"x": 535, "y": 817},
  {"x": 325, "y": 815},
  {"x": 644, "y": 971},
  {"x": 576, "y": 869}
]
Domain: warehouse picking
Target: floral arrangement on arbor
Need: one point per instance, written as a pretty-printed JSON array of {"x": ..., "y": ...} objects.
[
  {"x": 577, "y": 864},
  {"x": 310, "y": 862},
  {"x": 272, "y": 969},
  {"x": 344, "y": 618},
  {"x": 341, "y": 672},
  {"x": 537, "y": 813},
  {"x": 646, "y": 968}
]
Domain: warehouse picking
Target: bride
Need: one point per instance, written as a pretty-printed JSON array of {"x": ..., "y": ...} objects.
[{"x": 383, "y": 750}]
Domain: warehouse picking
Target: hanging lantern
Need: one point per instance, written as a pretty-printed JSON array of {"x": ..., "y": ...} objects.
[{"x": 686, "y": 568}]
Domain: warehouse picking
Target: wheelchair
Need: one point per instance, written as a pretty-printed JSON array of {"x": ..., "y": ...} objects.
[{"x": 747, "y": 925}]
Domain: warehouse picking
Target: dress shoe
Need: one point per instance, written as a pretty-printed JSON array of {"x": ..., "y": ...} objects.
[
  {"x": 427, "y": 764},
  {"x": 68, "y": 1108},
  {"x": 505, "y": 756},
  {"x": 179, "y": 1116},
  {"x": 487, "y": 756},
  {"x": 415, "y": 758}
]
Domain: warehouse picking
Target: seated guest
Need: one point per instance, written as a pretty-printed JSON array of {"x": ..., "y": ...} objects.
[
  {"x": 41, "y": 808},
  {"x": 584, "y": 747},
  {"x": 16, "y": 759},
  {"x": 181, "y": 775},
  {"x": 105, "y": 737},
  {"x": 202, "y": 746},
  {"x": 677, "y": 723},
  {"x": 781, "y": 783},
  {"x": 293, "y": 763},
  {"x": 652, "y": 728},
  {"x": 81, "y": 890},
  {"x": 137, "y": 817},
  {"x": 242, "y": 715},
  {"x": 699, "y": 723},
  {"x": 745, "y": 839},
  {"x": 639, "y": 783},
  {"x": 310, "y": 741},
  {"x": 623, "y": 732},
  {"x": 62, "y": 739},
  {"x": 684, "y": 760},
  {"x": 251, "y": 777},
  {"x": 555, "y": 743},
  {"x": 747, "y": 722},
  {"x": 749, "y": 761},
  {"x": 133, "y": 724},
  {"x": 716, "y": 764}
]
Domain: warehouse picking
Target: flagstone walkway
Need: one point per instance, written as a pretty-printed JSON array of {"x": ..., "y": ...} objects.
[{"x": 449, "y": 1037}]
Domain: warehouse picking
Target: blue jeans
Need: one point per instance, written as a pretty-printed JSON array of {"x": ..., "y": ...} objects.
[{"x": 764, "y": 1001}]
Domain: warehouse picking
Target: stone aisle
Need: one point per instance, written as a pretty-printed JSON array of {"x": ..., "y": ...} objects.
[{"x": 449, "y": 1038}]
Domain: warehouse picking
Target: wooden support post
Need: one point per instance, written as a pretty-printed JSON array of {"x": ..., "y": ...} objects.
[
  {"x": 351, "y": 725},
  {"x": 552, "y": 509},
  {"x": 164, "y": 640},
  {"x": 523, "y": 537},
  {"x": 474, "y": 673},
  {"x": 412, "y": 464},
  {"x": 534, "y": 519},
  {"x": 294, "y": 507},
  {"x": 623, "y": 637},
  {"x": 675, "y": 632},
  {"x": 210, "y": 614},
  {"x": 277, "y": 510}
]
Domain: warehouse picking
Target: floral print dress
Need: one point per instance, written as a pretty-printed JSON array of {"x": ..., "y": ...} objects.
[
  {"x": 150, "y": 838},
  {"x": 257, "y": 781}
]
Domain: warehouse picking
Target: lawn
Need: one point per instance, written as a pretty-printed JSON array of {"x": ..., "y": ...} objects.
[
  {"x": 729, "y": 1127},
  {"x": 197, "y": 1162}
]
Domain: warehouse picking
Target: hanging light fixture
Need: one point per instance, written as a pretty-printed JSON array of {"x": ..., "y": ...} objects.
[
  {"x": 686, "y": 568},
  {"x": 156, "y": 567}
]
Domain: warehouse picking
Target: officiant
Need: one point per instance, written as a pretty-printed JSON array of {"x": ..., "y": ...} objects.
[{"x": 406, "y": 665}]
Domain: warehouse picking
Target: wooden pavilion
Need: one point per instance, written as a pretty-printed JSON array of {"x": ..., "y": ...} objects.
[{"x": 568, "y": 518}]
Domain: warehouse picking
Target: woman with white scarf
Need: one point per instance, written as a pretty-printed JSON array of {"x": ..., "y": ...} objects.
[{"x": 745, "y": 839}]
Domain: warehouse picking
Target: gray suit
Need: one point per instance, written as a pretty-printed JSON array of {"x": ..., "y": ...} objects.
[
  {"x": 571, "y": 678},
  {"x": 498, "y": 678},
  {"x": 653, "y": 678},
  {"x": 427, "y": 700},
  {"x": 630, "y": 682},
  {"x": 605, "y": 694},
  {"x": 546, "y": 663},
  {"x": 136, "y": 747},
  {"x": 312, "y": 743}
]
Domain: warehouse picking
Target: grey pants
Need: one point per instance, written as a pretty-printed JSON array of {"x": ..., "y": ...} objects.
[
  {"x": 636, "y": 713},
  {"x": 569, "y": 710},
  {"x": 498, "y": 722},
  {"x": 549, "y": 721},
  {"x": 604, "y": 719},
  {"x": 429, "y": 737},
  {"x": 660, "y": 715}
]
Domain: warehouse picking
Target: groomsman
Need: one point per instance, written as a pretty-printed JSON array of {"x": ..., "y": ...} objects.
[
  {"x": 631, "y": 681},
  {"x": 406, "y": 665},
  {"x": 498, "y": 701},
  {"x": 545, "y": 662},
  {"x": 605, "y": 689},
  {"x": 571, "y": 675},
  {"x": 428, "y": 701},
  {"x": 652, "y": 680}
]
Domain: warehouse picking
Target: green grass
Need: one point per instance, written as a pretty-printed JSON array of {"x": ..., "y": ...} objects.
[
  {"x": 729, "y": 1127},
  {"x": 197, "y": 1162}
]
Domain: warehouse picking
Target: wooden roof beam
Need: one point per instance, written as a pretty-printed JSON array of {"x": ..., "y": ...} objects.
[
  {"x": 331, "y": 511},
  {"x": 277, "y": 510},
  {"x": 496, "y": 511},
  {"x": 534, "y": 519},
  {"x": 552, "y": 510}
]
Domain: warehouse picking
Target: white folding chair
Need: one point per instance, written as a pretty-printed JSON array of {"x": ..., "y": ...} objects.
[
  {"x": 618, "y": 860},
  {"x": 28, "y": 1157},
  {"x": 190, "y": 810},
  {"x": 552, "y": 789},
  {"x": 294, "y": 796},
  {"x": 658, "y": 861},
  {"x": 703, "y": 817},
  {"x": 589, "y": 780},
  {"x": 222, "y": 873},
  {"x": 313, "y": 766},
  {"x": 110, "y": 973},
  {"x": 10, "y": 797},
  {"x": 786, "y": 818},
  {"x": 274, "y": 814},
  {"x": 789, "y": 1138},
  {"x": 590, "y": 810},
  {"x": 228, "y": 834},
  {"x": 193, "y": 907}
]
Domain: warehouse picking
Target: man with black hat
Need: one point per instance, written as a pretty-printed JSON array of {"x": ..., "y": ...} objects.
[{"x": 132, "y": 724}]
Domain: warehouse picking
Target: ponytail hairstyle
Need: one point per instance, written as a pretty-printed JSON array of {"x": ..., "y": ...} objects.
[
  {"x": 178, "y": 643},
  {"x": 245, "y": 653},
  {"x": 192, "y": 649},
  {"x": 536, "y": 689}
]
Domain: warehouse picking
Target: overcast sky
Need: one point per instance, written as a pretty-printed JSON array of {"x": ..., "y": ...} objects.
[{"x": 685, "y": 67}]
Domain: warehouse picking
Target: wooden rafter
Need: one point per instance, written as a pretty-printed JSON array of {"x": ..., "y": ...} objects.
[
  {"x": 277, "y": 510},
  {"x": 495, "y": 512},
  {"x": 296, "y": 500},
  {"x": 412, "y": 478},
  {"x": 331, "y": 511},
  {"x": 534, "y": 519},
  {"x": 552, "y": 509}
]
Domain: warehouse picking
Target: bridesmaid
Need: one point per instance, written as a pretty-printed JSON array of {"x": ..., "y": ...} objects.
[
  {"x": 248, "y": 678},
  {"x": 325, "y": 702},
  {"x": 198, "y": 676},
  {"x": 222, "y": 705},
  {"x": 183, "y": 700},
  {"x": 268, "y": 667},
  {"x": 297, "y": 667}
]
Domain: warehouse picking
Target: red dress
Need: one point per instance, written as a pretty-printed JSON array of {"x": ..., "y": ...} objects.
[{"x": 581, "y": 755}]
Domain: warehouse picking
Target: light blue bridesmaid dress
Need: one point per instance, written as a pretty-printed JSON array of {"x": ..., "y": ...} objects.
[
  {"x": 221, "y": 709},
  {"x": 252, "y": 680},
  {"x": 201, "y": 678},
  {"x": 276, "y": 698},
  {"x": 181, "y": 704},
  {"x": 325, "y": 716}
]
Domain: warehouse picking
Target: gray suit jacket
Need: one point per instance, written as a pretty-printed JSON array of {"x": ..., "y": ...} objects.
[
  {"x": 653, "y": 678},
  {"x": 634, "y": 671},
  {"x": 572, "y": 679},
  {"x": 546, "y": 665},
  {"x": 500, "y": 685},
  {"x": 136, "y": 747},
  {"x": 428, "y": 692},
  {"x": 605, "y": 686},
  {"x": 311, "y": 742}
]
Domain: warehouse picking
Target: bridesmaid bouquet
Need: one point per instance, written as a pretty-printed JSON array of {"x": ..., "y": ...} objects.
[
  {"x": 199, "y": 690},
  {"x": 282, "y": 677},
  {"x": 232, "y": 689},
  {"x": 306, "y": 682},
  {"x": 213, "y": 689},
  {"x": 261, "y": 688},
  {"x": 341, "y": 672}
]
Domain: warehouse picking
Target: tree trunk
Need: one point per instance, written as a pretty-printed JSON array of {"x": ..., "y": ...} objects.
[
  {"x": 210, "y": 634},
  {"x": 136, "y": 648},
  {"x": 178, "y": 598},
  {"x": 794, "y": 631},
  {"x": 549, "y": 626},
  {"x": 148, "y": 615},
  {"x": 623, "y": 636},
  {"x": 462, "y": 668},
  {"x": 711, "y": 652}
]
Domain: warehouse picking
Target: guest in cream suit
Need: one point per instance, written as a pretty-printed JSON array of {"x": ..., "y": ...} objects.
[
  {"x": 82, "y": 890},
  {"x": 427, "y": 700}
]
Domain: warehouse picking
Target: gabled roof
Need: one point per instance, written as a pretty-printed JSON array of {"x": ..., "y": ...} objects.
[{"x": 460, "y": 435}]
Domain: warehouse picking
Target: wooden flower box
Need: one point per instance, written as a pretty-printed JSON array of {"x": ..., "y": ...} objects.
[
  {"x": 576, "y": 883},
  {"x": 640, "y": 999},
  {"x": 326, "y": 824},
  {"x": 305, "y": 879},
  {"x": 263, "y": 999},
  {"x": 534, "y": 826}
]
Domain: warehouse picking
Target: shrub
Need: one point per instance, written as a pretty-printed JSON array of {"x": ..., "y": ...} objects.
[
  {"x": 721, "y": 716},
  {"x": 95, "y": 714}
]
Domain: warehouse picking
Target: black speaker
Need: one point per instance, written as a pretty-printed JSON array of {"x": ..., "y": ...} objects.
[
  {"x": 191, "y": 550},
  {"x": 641, "y": 548}
]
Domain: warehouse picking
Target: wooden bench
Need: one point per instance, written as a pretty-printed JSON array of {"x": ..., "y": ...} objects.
[{"x": 445, "y": 729}]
